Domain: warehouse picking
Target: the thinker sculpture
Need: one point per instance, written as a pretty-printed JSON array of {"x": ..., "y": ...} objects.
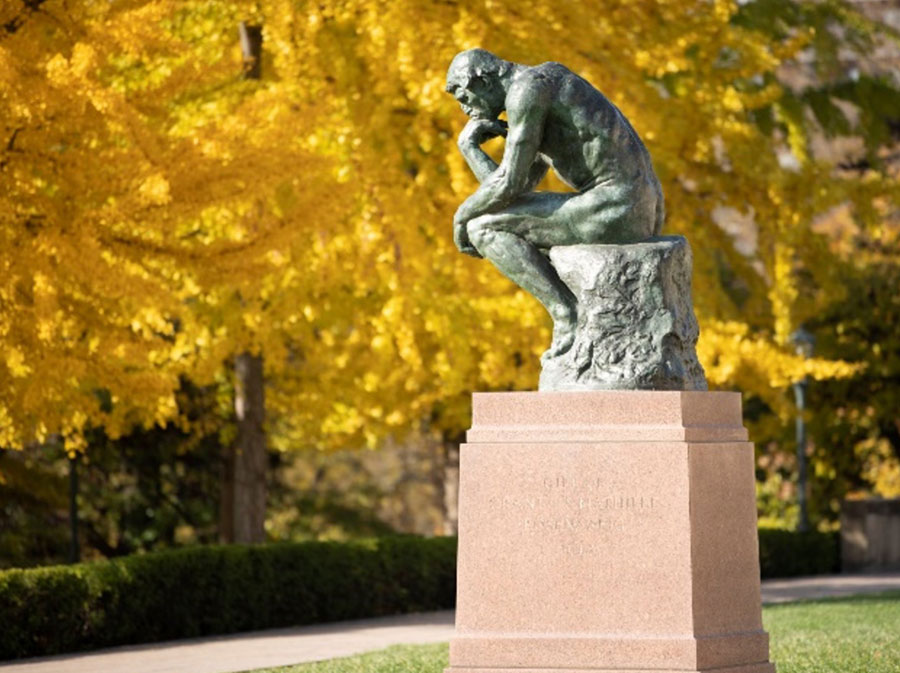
[{"x": 622, "y": 313}]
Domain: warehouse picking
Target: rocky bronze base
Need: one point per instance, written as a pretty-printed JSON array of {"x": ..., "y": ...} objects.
[{"x": 636, "y": 325}]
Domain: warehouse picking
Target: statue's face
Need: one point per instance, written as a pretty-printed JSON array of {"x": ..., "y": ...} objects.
[{"x": 478, "y": 96}]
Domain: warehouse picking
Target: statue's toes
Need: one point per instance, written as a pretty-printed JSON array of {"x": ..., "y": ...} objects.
[{"x": 563, "y": 338}]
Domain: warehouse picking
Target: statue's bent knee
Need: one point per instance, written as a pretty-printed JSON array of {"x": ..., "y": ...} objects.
[{"x": 480, "y": 230}]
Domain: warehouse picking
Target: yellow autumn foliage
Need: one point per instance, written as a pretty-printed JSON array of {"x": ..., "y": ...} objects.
[{"x": 158, "y": 213}]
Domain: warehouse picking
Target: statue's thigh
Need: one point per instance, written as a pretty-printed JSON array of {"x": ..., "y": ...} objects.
[
  {"x": 534, "y": 217},
  {"x": 541, "y": 232},
  {"x": 606, "y": 215},
  {"x": 542, "y": 205}
]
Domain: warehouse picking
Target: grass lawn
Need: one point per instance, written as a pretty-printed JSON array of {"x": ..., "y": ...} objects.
[{"x": 848, "y": 635}]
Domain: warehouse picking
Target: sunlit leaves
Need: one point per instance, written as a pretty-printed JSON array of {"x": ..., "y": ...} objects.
[{"x": 159, "y": 214}]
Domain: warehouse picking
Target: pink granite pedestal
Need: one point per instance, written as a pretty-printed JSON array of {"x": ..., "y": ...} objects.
[{"x": 605, "y": 532}]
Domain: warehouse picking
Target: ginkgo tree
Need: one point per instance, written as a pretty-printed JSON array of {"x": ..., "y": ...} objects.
[
  {"x": 168, "y": 215},
  {"x": 144, "y": 227}
]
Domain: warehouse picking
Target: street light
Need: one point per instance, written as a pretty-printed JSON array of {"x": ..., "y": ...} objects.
[
  {"x": 803, "y": 343},
  {"x": 74, "y": 548}
]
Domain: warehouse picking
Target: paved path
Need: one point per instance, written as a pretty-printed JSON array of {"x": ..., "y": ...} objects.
[
  {"x": 247, "y": 651},
  {"x": 280, "y": 647},
  {"x": 827, "y": 586}
]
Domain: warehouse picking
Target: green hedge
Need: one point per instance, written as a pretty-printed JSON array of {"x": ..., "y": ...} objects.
[
  {"x": 786, "y": 553},
  {"x": 213, "y": 590}
]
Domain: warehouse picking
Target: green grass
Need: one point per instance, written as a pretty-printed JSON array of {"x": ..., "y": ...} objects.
[
  {"x": 397, "y": 659},
  {"x": 847, "y": 635}
]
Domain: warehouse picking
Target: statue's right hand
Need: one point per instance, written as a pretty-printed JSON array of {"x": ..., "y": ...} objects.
[
  {"x": 461, "y": 238},
  {"x": 479, "y": 131}
]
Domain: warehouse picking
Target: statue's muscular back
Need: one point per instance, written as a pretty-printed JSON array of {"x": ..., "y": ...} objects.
[{"x": 585, "y": 138}]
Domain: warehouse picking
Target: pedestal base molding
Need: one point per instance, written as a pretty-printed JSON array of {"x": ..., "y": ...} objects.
[
  {"x": 551, "y": 651},
  {"x": 749, "y": 668}
]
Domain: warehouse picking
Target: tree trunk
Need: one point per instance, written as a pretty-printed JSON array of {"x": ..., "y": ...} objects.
[
  {"x": 446, "y": 481},
  {"x": 243, "y": 506},
  {"x": 451, "y": 488},
  {"x": 242, "y": 513},
  {"x": 251, "y": 50}
]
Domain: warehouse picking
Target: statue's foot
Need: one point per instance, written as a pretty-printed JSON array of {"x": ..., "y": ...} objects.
[{"x": 563, "y": 335}]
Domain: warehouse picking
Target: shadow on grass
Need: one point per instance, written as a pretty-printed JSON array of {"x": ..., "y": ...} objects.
[{"x": 880, "y": 597}]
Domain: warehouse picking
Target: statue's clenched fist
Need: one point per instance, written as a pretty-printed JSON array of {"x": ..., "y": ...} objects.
[{"x": 478, "y": 131}]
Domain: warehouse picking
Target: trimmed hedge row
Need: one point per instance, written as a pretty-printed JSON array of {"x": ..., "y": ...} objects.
[
  {"x": 201, "y": 591},
  {"x": 213, "y": 590},
  {"x": 786, "y": 553}
]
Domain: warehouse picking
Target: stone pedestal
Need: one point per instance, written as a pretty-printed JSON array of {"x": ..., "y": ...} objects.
[{"x": 608, "y": 531}]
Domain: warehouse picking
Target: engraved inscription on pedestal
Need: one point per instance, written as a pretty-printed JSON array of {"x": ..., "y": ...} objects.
[
  {"x": 598, "y": 513},
  {"x": 582, "y": 510},
  {"x": 573, "y": 507}
]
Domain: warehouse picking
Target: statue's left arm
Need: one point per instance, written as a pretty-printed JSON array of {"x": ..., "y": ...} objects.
[{"x": 527, "y": 105}]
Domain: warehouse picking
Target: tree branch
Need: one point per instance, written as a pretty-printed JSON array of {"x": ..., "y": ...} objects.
[{"x": 29, "y": 7}]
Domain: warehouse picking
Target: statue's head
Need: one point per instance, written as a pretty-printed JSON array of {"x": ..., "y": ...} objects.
[{"x": 475, "y": 80}]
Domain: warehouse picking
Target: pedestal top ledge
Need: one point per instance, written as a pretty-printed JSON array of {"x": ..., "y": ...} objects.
[{"x": 607, "y": 415}]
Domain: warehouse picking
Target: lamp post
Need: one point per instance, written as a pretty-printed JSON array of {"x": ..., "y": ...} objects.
[
  {"x": 74, "y": 549},
  {"x": 803, "y": 342}
]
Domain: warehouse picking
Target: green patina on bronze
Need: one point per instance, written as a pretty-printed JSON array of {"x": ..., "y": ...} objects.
[{"x": 558, "y": 120}]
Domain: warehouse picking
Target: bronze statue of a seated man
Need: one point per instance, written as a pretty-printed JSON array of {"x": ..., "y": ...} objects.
[{"x": 555, "y": 118}]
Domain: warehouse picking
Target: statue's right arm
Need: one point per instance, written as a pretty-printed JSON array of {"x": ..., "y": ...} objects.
[
  {"x": 528, "y": 103},
  {"x": 483, "y": 166}
]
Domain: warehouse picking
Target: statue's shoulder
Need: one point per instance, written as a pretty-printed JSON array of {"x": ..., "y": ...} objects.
[
  {"x": 550, "y": 73},
  {"x": 552, "y": 69},
  {"x": 534, "y": 84}
]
